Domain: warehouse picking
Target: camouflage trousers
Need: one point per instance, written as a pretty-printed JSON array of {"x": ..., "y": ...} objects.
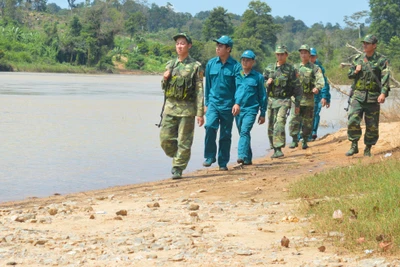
[
  {"x": 176, "y": 137},
  {"x": 276, "y": 124},
  {"x": 371, "y": 116},
  {"x": 303, "y": 120}
]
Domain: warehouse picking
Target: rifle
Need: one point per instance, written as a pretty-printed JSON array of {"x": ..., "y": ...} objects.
[
  {"x": 349, "y": 99},
  {"x": 342, "y": 65},
  {"x": 165, "y": 94},
  {"x": 162, "y": 110}
]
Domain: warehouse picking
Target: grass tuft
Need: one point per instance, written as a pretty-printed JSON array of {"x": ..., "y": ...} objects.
[{"x": 367, "y": 195}]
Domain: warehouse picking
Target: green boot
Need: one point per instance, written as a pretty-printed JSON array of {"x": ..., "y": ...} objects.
[
  {"x": 367, "y": 151},
  {"x": 295, "y": 143},
  {"x": 353, "y": 149},
  {"x": 304, "y": 146},
  {"x": 278, "y": 153}
]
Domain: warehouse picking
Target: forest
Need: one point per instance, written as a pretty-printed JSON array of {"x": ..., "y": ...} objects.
[{"x": 95, "y": 36}]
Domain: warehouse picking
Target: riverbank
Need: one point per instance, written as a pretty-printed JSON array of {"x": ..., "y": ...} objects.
[{"x": 210, "y": 218}]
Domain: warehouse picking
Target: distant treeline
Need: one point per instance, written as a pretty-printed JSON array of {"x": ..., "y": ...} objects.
[{"x": 93, "y": 35}]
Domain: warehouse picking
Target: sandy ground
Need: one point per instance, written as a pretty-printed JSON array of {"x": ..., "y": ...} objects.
[{"x": 209, "y": 218}]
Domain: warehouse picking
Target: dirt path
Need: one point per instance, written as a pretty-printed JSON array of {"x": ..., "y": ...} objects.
[{"x": 210, "y": 218}]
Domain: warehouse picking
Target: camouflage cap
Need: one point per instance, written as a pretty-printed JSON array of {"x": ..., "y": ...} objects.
[
  {"x": 184, "y": 35},
  {"x": 226, "y": 40},
  {"x": 305, "y": 47},
  {"x": 370, "y": 38},
  {"x": 280, "y": 49}
]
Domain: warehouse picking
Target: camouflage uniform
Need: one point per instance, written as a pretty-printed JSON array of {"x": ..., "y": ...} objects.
[
  {"x": 181, "y": 107},
  {"x": 285, "y": 85},
  {"x": 310, "y": 76},
  {"x": 369, "y": 83}
]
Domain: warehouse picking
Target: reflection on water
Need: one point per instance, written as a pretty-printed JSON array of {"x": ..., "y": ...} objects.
[{"x": 64, "y": 133}]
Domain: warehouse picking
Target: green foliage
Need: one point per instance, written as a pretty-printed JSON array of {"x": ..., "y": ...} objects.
[
  {"x": 218, "y": 23},
  {"x": 89, "y": 32},
  {"x": 137, "y": 22},
  {"x": 385, "y": 18},
  {"x": 257, "y": 23}
]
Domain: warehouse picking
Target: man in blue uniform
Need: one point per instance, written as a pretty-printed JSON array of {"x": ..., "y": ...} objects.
[
  {"x": 222, "y": 102},
  {"x": 323, "y": 98},
  {"x": 255, "y": 99}
]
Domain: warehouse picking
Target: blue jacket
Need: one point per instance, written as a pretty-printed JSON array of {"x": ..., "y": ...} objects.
[
  {"x": 221, "y": 83},
  {"x": 254, "y": 93},
  {"x": 324, "y": 93}
]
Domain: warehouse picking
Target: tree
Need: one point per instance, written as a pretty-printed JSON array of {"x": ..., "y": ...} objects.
[
  {"x": 385, "y": 18},
  {"x": 71, "y": 4},
  {"x": 258, "y": 23},
  {"x": 9, "y": 11},
  {"x": 354, "y": 21},
  {"x": 218, "y": 23},
  {"x": 39, "y": 5},
  {"x": 136, "y": 23},
  {"x": 53, "y": 8}
]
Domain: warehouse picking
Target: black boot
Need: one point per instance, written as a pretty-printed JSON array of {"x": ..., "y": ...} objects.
[
  {"x": 353, "y": 149},
  {"x": 367, "y": 151}
]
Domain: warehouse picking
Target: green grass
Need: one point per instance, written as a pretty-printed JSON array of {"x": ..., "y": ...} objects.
[{"x": 371, "y": 191}]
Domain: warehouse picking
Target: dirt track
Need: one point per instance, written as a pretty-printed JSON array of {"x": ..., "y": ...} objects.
[{"x": 210, "y": 218}]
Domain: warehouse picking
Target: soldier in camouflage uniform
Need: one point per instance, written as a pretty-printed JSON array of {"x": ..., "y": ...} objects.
[
  {"x": 311, "y": 81},
  {"x": 281, "y": 83},
  {"x": 184, "y": 95},
  {"x": 371, "y": 75}
]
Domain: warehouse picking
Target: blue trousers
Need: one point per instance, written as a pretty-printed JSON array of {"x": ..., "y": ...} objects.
[
  {"x": 214, "y": 119},
  {"x": 244, "y": 123},
  {"x": 317, "y": 110}
]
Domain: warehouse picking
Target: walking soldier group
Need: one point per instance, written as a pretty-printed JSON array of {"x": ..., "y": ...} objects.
[{"x": 235, "y": 90}]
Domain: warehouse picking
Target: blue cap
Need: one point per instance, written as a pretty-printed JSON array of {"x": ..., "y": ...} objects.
[
  {"x": 248, "y": 54},
  {"x": 226, "y": 40},
  {"x": 313, "y": 51}
]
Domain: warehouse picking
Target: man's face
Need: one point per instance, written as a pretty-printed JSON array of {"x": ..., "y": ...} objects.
[
  {"x": 368, "y": 47},
  {"x": 222, "y": 50},
  {"x": 247, "y": 63},
  {"x": 304, "y": 55},
  {"x": 313, "y": 58},
  {"x": 281, "y": 57},
  {"x": 182, "y": 46}
]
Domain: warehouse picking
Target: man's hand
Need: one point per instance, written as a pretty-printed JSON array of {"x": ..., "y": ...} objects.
[
  {"x": 325, "y": 103},
  {"x": 315, "y": 91},
  {"x": 381, "y": 98},
  {"x": 358, "y": 69},
  {"x": 200, "y": 121},
  {"x": 261, "y": 120},
  {"x": 235, "y": 109},
  {"x": 269, "y": 81},
  {"x": 297, "y": 110},
  {"x": 166, "y": 75}
]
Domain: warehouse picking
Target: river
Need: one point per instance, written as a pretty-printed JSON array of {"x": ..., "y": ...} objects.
[{"x": 65, "y": 133}]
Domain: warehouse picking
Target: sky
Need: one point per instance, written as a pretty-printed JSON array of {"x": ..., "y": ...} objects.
[{"x": 309, "y": 11}]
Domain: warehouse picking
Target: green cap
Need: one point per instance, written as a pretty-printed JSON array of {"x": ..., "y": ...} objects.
[
  {"x": 280, "y": 49},
  {"x": 305, "y": 47},
  {"x": 184, "y": 35},
  {"x": 370, "y": 38}
]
